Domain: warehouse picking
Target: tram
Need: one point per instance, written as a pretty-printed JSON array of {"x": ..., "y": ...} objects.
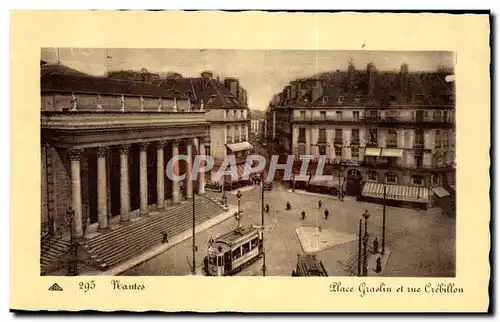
[{"x": 233, "y": 251}]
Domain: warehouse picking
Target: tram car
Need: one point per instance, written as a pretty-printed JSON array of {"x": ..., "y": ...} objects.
[
  {"x": 309, "y": 265},
  {"x": 233, "y": 251}
]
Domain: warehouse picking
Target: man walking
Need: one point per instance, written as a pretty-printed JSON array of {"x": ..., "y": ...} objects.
[{"x": 326, "y": 213}]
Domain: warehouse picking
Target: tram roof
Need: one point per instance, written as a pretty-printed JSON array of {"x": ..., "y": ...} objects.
[{"x": 235, "y": 235}]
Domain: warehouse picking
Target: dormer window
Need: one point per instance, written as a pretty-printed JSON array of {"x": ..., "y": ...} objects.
[
  {"x": 357, "y": 98},
  {"x": 325, "y": 99},
  {"x": 420, "y": 97},
  {"x": 341, "y": 99},
  {"x": 211, "y": 99}
]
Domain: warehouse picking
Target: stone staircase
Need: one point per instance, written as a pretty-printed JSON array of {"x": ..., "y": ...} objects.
[
  {"x": 53, "y": 252},
  {"x": 125, "y": 242}
]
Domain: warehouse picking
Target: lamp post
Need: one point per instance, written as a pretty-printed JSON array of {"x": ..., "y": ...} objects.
[
  {"x": 359, "y": 246},
  {"x": 383, "y": 219},
  {"x": 238, "y": 214},
  {"x": 224, "y": 197},
  {"x": 366, "y": 215},
  {"x": 73, "y": 255},
  {"x": 193, "y": 268},
  {"x": 262, "y": 220}
]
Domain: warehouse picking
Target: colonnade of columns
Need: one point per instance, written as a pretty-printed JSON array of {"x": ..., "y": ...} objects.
[{"x": 102, "y": 206}]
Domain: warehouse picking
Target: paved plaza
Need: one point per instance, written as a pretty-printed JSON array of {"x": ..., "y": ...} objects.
[{"x": 421, "y": 244}]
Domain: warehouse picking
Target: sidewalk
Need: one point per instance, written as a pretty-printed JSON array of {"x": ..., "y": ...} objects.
[
  {"x": 372, "y": 262},
  {"x": 157, "y": 250}
]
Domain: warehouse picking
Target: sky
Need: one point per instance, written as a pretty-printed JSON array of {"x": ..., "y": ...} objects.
[{"x": 262, "y": 73}]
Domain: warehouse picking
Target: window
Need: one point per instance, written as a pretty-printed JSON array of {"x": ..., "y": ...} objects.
[
  {"x": 392, "y": 140},
  {"x": 219, "y": 260},
  {"x": 338, "y": 151},
  {"x": 357, "y": 98},
  {"x": 372, "y": 176},
  {"x": 355, "y": 152},
  {"x": 446, "y": 139},
  {"x": 322, "y": 115},
  {"x": 338, "y": 134},
  {"x": 245, "y": 248},
  {"x": 438, "y": 139},
  {"x": 242, "y": 114},
  {"x": 437, "y": 116},
  {"x": 322, "y": 149},
  {"x": 419, "y": 159},
  {"x": 341, "y": 99},
  {"x": 236, "y": 253},
  {"x": 338, "y": 115},
  {"x": 355, "y": 116},
  {"x": 355, "y": 136},
  {"x": 322, "y": 135},
  {"x": 436, "y": 180},
  {"x": 302, "y": 115},
  {"x": 254, "y": 243},
  {"x": 417, "y": 180},
  {"x": 419, "y": 139},
  {"x": 228, "y": 114},
  {"x": 391, "y": 177},
  {"x": 302, "y": 134},
  {"x": 373, "y": 137}
]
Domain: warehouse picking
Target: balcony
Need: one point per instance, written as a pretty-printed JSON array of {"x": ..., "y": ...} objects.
[
  {"x": 371, "y": 144},
  {"x": 322, "y": 140},
  {"x": 338, "y": 140},
  {"x": 377, "y": 120},
  {"x": 355, "y": 141},
  {"x": 301, "y": 139},
  {"x": 390, "y": 163},
  {"x": 229, "y": 139},
  {"x": 393, "y": 145}
]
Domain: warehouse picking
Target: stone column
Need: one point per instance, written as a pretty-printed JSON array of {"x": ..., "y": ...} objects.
[
  {"x": 102, "y": 192},
  {"x": 143, "y": 178},
  {"x": 176, "y": 189},
  {"x": 160, "y": 176},
  {"x": 124, "y": 184},
  {"x": 201, "y": 175},
  {"x": 189, "y": 163},
  {"x": 76, "y": 191}
]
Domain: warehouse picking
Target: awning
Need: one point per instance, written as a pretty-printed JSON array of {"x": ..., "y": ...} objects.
[
  {"x": 372, "y": 152},
  {"x": 453, "y": 187},
  {"x": 440, "y": 192},
  {"x": 324, "y": 183},
  {"x": 395, "y": 153},
  {"x": 396, "y": 192},
  {"x": 242, "y": 146}
]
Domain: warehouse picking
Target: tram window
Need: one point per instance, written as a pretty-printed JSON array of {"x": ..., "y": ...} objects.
[
  {"x": 212, "y": 260},
  {"x": 236, "y": 253},
  {"x": 219, "y": 260},
  {"x": 255, "y": 243},
  {"x": 246, "y": 248}
]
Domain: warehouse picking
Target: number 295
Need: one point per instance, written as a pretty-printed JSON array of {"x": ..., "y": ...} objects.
[{"x": 86, "y": 286}]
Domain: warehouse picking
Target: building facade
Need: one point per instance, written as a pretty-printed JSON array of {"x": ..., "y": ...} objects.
[
  {"x": 105, "y": 145},
  {"x": 226, "y": 110},
  {"x": 375, "y": 129}
]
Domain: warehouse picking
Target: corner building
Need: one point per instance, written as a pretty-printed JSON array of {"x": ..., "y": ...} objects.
[{"x": 376, "y": 129}]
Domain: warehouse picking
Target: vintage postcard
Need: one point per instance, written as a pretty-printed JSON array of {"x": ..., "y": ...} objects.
[{"x": 212, "y": 161}]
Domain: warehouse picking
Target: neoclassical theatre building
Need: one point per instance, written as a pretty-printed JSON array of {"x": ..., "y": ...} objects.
[{"x": 105, "y": 144}]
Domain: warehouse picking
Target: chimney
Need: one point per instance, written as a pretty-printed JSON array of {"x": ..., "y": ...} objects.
[
  {"x": 351, "y": 71},
  {"x": 233, "y": 85},
  {"x": 404, "y": 79},
  {"x": 206, "y": 76},
  {"x": 370, "y": 71},
  {"x": 316, "y": 91}
]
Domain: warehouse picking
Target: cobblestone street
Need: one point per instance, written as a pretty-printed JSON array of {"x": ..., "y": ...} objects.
[{"x": 421, "y": 244}]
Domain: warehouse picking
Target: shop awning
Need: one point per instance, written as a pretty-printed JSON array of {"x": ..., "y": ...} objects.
[
  {"x": 440, "y": 192},
  {"x": 453, "y": 187},
  {"x": 372, "y": 152},
  {"x": 394, "y": 153},
  {"x": 241, "y": 146},
  {"x": 396, "y": 192},
  {"x": 334, "y": 182}
]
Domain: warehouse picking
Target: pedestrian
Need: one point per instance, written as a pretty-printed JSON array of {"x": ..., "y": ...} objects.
[
  {"x": 378, "y": 269},
  {"x": 288, "y": 206},
  {"x": 375, "y": 246},
  {"x": 267, "y": 208},
  {"x": 326, "y": 213},
  {"x": 210, "y": 241},
  {"x": 303, "y": 214},
  {"x": 319, "y": 203},
  {"x": 165, "y": 238}
]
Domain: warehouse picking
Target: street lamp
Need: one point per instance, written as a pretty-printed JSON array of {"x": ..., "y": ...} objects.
[
  {"x": 238, "y": 214},
  {"x": 262, "y": 219},
  {"x": 72, "y": 262},
  {"x": 224, "y": 197},
  {"x": 383, "y": 219},
  {"x": 366, "y": 215}
]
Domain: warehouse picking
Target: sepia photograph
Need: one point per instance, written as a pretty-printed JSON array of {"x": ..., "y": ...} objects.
[
  {"x": 219, "y": 162},
  {"x": 212, "y": 161}
]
